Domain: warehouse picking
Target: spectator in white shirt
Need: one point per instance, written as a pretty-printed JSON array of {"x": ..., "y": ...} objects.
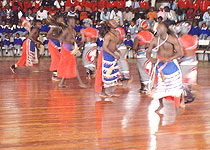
[
  {"x": 105, "y": 15},
  {"x": 59, "y": 3},
  {"x": 41, "y": 14},
  {"x": 206, "y": 17},
  {"x": 117, "y": 15},
  {"x": 170, "y": 15}
]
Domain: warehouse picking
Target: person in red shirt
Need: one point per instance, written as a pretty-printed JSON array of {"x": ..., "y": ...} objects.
[
  {"x": 37, "y": 4},
  {"x": 26, "y": 5},
  {"x": 195, "y": 5},
  {"x": 110, "y": 4},
  {"x": 144, "y": 4},
  {"x": 70, "y": 3},
  {"x": 15, "y": 4},
  {"x": 183, "y": 4},
  {"x": 87, "y": 4},
  {"x": 101, "y": 5},
  {"x": 203, "y": 5},
  {"x": 120, "y": 4},
  {"x": 52, "y": 11}
]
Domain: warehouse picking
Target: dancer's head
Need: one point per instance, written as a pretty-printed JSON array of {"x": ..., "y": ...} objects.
[
  {"x": 71, "y": 21},
  {"x": 38, "y": 24},
  {"x": 163, "y": 29}
]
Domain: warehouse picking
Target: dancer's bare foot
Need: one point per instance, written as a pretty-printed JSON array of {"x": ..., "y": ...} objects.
[{"x": 104, "y": 95}]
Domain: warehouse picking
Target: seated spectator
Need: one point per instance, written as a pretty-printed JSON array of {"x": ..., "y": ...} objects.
[
  {"x": 180, "y": 14},
  {"x": 204, "y": 32},
  {"x": 172, "y": 5},
  {"x": 7, "y": 44},
  {"x": 17, "y": 14},
  {"x": 79, "y": 38},
  {"x": 59, "y": 3},
  {"x": 47, "y": 3},
  {"x": 135, "y": 4},
  {"x": 78, "y": 27},
  {"x": 15, "y": 4},
  {"x": 152, "y": 15},
  {"x": 26, "y": 5},
  {"x": 195, "y": 5},
  {"x": 206, "y": 17},
  {"x": 3, "y": 29},
  {"x": 83, "y": 14},
  {"x": 204, "y": 4},
  {"x": 170, "y": 16},
  {"x": 11, "y": 29},
  {"x": 161, "y": 12},
  {"x": 45, "y": 28},
  {"x": 36, "y": 5},
  {"x": 98, "y": 25},
  {"x": 87, "y": 4},
  {"x": 21, "y": 30},
  {"x": 132, "y": 29},
  {"x": 17, "y": 44},
  {"x": 70, "y": 3},
  {"x": 117, "y": 15},
  {"x": 41, "y": 14},
  {"x": 72, "y": 12},
  {"x": 30, "y": 16},
  {"x": 195, "y": 30},
  {"x": 9, "y": 13},
  {"x": 127, "y": 16},
  {"x": 190, "y": 14},
  {"x": 105, "y": 15},
  {"x": 128, "y": 3},
  {"x": 52, "y": 11},
  {"x": 99, "y": 43},
  {"x": 198, "y": 16},
  {"x": 95, "y": 15},
  {"x": 128, "y": 42},
  {"x": 2, "y": 15},
  {"x": 144, "y": 5},
  {"x": 120, "y": 4}
]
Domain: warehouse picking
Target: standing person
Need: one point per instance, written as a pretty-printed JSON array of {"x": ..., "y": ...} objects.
[
  {"x": 122, "y": 50},
  {"x": 107, "y": 74},
  {"x": 141, "y": 44},
  {"x": 29, "y": 46},
  {"x": 67, "y": 67},
  {"x": 54, "y": 46},
  {"x": 168, "y": 49},
  {"x": 89, "y": 36},
  {"x": 188, "y": 63}
]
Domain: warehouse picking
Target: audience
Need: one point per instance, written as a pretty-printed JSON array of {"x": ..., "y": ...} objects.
[{"x": 127, "y": 13}]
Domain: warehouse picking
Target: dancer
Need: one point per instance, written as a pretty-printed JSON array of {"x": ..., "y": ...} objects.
[
  {"x": 56, "y": 28},
  {"x": 169, "y": 84},
  {"x": 141, "y": 44},
  {"x": 107, "y": 74},
  {"x": 122, "y": 49},
  {"x": 188, "y": 62},
  {"x": 67, "y": 67},
  {"x": 29, "y": 48},
  {"x": 89, "y": 36}
]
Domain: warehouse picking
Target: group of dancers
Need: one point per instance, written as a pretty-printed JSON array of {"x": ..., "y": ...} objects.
[{"x": 167, "y": 64}]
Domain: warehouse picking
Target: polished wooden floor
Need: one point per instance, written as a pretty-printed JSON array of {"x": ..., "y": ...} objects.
[{"x": 37, "y": 115}]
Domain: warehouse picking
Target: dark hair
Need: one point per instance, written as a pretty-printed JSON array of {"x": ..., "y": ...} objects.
[
  {"x": 105, "y": 28},
  {"x": 160, "y": 17},
  {"x": 169, "y": 31}
]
